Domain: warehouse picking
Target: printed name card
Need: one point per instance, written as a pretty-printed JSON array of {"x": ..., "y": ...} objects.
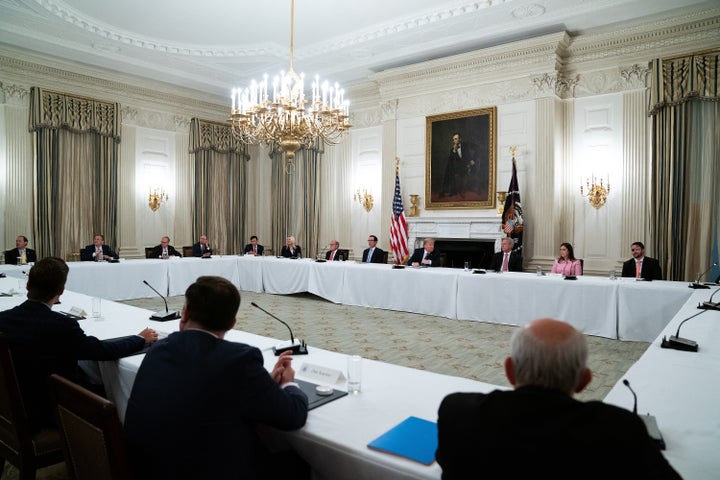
[{"x": 321, "y": 374}]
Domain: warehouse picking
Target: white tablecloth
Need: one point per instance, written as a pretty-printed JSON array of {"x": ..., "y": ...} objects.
[
  {"x": 182, "y": 272},
  {"x": 250, "y": 274},
  {"x": 118, "y": 281}
]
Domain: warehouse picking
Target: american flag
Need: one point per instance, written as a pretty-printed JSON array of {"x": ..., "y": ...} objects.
[
  {"x": 398, "y": 226},
  {"x": 512, "y": 212}
]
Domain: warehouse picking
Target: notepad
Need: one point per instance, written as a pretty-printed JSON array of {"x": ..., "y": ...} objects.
[{"x": 413, "y": 438}]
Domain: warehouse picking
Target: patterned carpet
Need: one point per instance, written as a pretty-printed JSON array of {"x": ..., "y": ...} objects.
[{"x": 453, "y": 347}]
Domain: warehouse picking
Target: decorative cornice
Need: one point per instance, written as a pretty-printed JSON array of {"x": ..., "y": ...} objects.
[{"x": 13, "y": 94}]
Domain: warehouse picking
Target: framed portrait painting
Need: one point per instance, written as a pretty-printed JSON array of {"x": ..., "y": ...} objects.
[{"x": 460, "y": 161}]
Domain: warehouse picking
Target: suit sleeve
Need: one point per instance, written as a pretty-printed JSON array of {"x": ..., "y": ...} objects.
[{"x": 90, "y": 348}]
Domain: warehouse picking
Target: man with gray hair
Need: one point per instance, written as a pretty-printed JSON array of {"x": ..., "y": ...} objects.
[{"x": 539, "y": 429}]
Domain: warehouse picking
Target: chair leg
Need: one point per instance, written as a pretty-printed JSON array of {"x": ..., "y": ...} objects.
[
  {"x": 27, "y": 472},
  {"x": 2, "y": 466}
]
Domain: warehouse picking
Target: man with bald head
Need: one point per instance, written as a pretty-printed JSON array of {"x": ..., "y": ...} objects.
[{"x": 538, "y": 429}]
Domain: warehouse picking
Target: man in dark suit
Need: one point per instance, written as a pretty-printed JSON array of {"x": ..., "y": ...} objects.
[
  {"x": 333, "y": 254},
  {"x": 506, "y": 260},
  {"x": 44, "y": 342},
  {"x": 538, "y": 430},
  {"x": 372, "y": 254},
  {"x": 164, "y": 250},
  {"x": 253, "y": 248},
  {"x": 98, "y": 251},
  {"x": 199, "y": 394},
  {"x": 641, "y": 266},
  {"x": 202, "y": 248},
  {"x": 20, "y": 252},
  {"x": 426, "y": 256}
]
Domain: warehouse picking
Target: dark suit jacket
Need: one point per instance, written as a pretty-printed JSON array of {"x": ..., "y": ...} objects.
[
  {"x": 86, "y": 255},
  {"x": 377, "y": 256},
  {"x": 514, "y": 262},
  {"x": 12, "y": 255},
  {"x": 157, "y": 252},
  {"x": 45, "y": 342},
  {"x": 533, "y": 432},
  {"x": 285, "y": 252},
  {"x": 338, "y": 255},
  {"x": 195, "y": 389},
  {"x": 650, "y": 269},
  {"x": 418, "y": 254},
  {"x": 249, "y": 247},
  {"x": 197, "y": 250}
]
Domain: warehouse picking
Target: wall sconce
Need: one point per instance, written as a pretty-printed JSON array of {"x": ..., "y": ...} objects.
[
  {"x": 364, "y": 198},
  {"x": 156, "y": 197},
  {"x": 501, "y": 197},
  {"x": 596, "y": 192}
]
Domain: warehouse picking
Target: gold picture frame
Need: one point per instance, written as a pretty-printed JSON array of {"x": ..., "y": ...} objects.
[{"x": 464, "y": 177}]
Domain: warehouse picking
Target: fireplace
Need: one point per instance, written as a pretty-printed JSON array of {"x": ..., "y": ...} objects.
[{"x": 456, "y": 252}]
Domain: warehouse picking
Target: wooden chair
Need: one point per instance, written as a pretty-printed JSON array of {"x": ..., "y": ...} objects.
[
  {"x": 92, "y": 435},
  {"x": 27, "y": 451},
  {"x": 148, "y": 252},
  {"x": 345, "y": 253},
  {"x": 582, "y": 267},
  {"x": 385, "y": 257},
  {"x": 187, "y": 251}
]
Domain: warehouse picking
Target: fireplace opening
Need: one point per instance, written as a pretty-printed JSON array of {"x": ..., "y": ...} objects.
[{"x": 456, "y": 252}]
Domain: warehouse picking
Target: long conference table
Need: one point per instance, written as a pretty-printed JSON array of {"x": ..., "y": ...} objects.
[
  {"x": 621, "y": 309},
  {"x": 677, "y": 387}
]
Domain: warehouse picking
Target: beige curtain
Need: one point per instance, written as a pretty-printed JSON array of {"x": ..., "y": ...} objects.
[
  {"x": 220, "y": 186},
  {"x": 295, "y": 199},
  {"x": 685, "y": 110},
  {"x": 75, "y": 171}
]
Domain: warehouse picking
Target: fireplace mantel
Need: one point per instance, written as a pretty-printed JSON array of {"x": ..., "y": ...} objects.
[{"x": 457, "y": 228}]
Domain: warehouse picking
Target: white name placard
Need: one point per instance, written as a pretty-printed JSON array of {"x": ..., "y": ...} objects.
[{"x": 320, "y": 373}]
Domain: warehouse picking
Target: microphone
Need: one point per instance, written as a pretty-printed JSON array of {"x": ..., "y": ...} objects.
[
  {"x": 649, "y": 420},
  {"x": 678, "y": 343},
  {"x": 709, "y": 305},
  {"x": 160, "y": 315},
  {"x": 299, "y": 348},
  {"x": 696, "y": 284}
]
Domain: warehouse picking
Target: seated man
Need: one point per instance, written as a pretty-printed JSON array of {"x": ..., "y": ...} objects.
[
  {"x": 45, "y": 342},
  {"x": 98, "y": 251},
  {"x": 641, "y": 266},
  {"x": 372, "y": 254},
  {"x": 333, "y": 254},
  {"x": 506, "y": 260},
  {"x": 253, "y": 248},
  {"x": 198, "y": 399},
  {"x": 201, "y": 248},
  {"x": 538, "y": 430},
  {"x": 20, "y": 255},
  {"x": 426, "y": 256},
  {"x": 164, "y": 250}
]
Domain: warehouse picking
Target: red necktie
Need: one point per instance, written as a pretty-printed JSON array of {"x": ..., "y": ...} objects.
[
  {"x": 638, "y": 268},
  {"x": 504, "y": 267}
]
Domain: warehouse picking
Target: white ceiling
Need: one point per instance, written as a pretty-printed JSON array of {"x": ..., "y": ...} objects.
[{"x": 212, "y": 45}]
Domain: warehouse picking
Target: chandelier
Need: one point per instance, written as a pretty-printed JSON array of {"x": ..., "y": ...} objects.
[
  {"x": 289, "y": 119},
  {"x": 596, "y": 192}
]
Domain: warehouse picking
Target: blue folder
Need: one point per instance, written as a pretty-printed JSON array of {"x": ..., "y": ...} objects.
[{"x": 413, "y": 438}]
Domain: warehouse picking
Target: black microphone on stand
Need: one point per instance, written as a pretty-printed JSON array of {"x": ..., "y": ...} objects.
[
  {"x": 160, "y": 315},
  {"x": 674, "y": 341},
  {"x": 709, "y": 305},
  {"x": 296, "y": 348},
  {"x": 649, "y": 420},
  {"x": 696, "y": 284}
]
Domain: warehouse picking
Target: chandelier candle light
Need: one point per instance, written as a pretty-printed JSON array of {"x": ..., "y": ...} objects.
[
  {"x": 596, "y": 192},
  {"x": 284, "y": 119}
]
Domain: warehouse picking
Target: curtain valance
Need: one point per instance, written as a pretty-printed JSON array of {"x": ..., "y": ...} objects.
[
  {"x": 55, "y": 110},
  {"x": 678, "y": 80},
  {"x": 207, "y": 135}
]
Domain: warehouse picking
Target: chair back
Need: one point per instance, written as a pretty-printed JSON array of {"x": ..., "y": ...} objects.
[
  {"x": 187, "y": 251},
  {"x": 345, "y": 253},
  {"x": 582, "y": 267},
  {"x": 148, "y": 251},
  {"x": 385, "y": 256},
  {"x": 91, "y": 432},
  {"x": 18, "y": 444}
]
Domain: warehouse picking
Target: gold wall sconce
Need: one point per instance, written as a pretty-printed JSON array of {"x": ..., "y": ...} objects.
[
  {"x": 414, "y": 199},
  {"x": 596, "y": 192},
  {"x": 364, "y": 198},
  {"x": 156, "y": 197},
  {"x": 501, "y": 197}
]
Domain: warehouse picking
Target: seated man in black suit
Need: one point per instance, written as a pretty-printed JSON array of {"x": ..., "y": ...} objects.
[
  {"x": 333, "y": 254},
  {"x": 372, "y": 254},
  {"x": 20, "y": 255},
  {"x": 98, "y": 251},
  {"x": 641, "y": 266},
  {"x": 253, "y": 248},
  {"x": 202, "y": 248},
  {"x": 44, "y": 342},
  {"x": 202, "y": 395},
  {"x": 506, "y": 260},
  {"x": 426, "y": 256},
  {"x": 538, "y": 430},
  {"x": 164, "y": 250}
]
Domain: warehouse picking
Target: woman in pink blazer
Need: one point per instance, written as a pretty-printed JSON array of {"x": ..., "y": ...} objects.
[{"x": 566, "y": 264}]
